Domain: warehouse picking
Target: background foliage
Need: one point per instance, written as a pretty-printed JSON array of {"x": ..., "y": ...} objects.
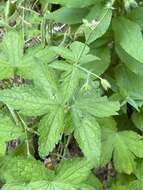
[{"x": 71, "y": 95}]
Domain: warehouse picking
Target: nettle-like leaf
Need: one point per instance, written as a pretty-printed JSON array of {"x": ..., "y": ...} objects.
[
  {"x": 102, "y": 16},
  {"x": 73, "y": 177},
  {"x": 8, "y": 131},
  {"x": 129, "y": 43},
  {"x": 48, "y": 98},
  {"x": 76, "y": 55},
  {"x": 124, "y": 146},
  {"x": 12, "y": 57}
]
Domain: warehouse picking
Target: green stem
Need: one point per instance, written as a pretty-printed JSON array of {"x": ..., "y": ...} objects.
[
  {"x": 66, "y": 145},
  {"x": 26, "y": 134}
]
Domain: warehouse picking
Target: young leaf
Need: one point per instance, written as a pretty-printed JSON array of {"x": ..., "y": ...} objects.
[{"x": 129, "y": 143}]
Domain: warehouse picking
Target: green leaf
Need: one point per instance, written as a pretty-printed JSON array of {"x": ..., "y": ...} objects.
[
  {"x": 14, "y": 186},
  {"x": 102, "y": 16},
  {"x": 69, "y": 175},
  {"x": 28, "y": 100},
  {"x": 74, "y": 3},
  {"x": 13, "y": 60},
  {"x": 138, "y": 183},
  {"x": 119, "y": 187},
  {"x": 70, "y": 82},
  {"x": 99, "y": 66},
  {"x": 50, "y": 130},
  {"x": 129, "y": 43},
  {"x": 77, "y": 53},
  {"x": 130, "y": 85},
  {"x": 137, "y": 118},
  {"x": 68, "y": 15},
  {"x": 73, "y": 171},
  {"x": 13, "y": 48},
  {"x": 97, "y": 106},
  {"x": 94, "y": 182},
  {"x": 23, "y": 170},
  {"x": 88, "y": 135},
  {"x": 136, "y": 15},
  {"x": 129, "y": 143},
  {"x": 8, "y": 131}
]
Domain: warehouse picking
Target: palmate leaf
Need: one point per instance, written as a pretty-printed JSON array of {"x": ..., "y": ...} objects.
[
  {"x": 129, "y": 43},
  {"x": 86, "y": 128},
  {"x": 8, "y": 131},
  {"x": 77, "y": 171},
  {"x": 74, "y": 171},
  {"x": 47, "y": 186},
  {"x": 123, "y": 145},
  {"x": 77, "y": 54},
  {"x": 40, "y": 100},
  {"x": 88, "y": 135},
  {"x": 23, "y": 170}
]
